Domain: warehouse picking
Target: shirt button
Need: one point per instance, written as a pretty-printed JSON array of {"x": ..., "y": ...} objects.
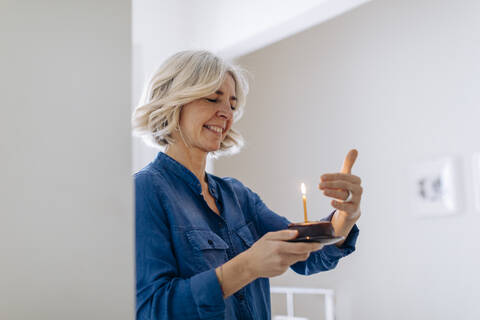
[{"x": 210, "y": 242}]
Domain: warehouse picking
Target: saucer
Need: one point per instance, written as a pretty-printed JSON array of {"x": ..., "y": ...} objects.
[{"x": 319, "y": 239}]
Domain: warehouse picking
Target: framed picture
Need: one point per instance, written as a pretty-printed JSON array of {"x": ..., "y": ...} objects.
[{"x": 435, "y": 187}]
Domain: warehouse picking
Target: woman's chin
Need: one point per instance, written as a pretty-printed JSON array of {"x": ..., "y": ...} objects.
[
  {"x": 214, "y": 149},
  {"x": 211, "y": 148},
  {"x": 211, "y": 145}
]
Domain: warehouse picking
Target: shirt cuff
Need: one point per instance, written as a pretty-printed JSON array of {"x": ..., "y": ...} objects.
[
  {"x": 332, "y": 252},
  {"x": 207, "y": 294}
]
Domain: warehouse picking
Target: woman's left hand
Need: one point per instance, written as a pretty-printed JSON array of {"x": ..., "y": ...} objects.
[{"x": 337, "y": 186}]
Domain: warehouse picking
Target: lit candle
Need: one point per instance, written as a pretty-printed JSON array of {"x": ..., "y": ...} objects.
[{"x": 304, "y": 198}]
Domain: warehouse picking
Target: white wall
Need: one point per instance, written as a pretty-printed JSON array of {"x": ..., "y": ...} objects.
[
  {"x": 161, "y": 28},
  {"x": 398, "y": 80},
  {"x": 66, "y": 233}
]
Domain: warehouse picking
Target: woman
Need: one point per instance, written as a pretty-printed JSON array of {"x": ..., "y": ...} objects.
[{"x": 206, "y": 246}]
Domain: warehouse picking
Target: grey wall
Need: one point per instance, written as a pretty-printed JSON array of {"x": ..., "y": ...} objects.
[
  {"x": 398, "y": 80},
  {"x": 66, "y": 232}
]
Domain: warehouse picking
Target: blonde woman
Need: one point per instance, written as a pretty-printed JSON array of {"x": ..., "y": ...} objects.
[{"x": 205, "y": 245}]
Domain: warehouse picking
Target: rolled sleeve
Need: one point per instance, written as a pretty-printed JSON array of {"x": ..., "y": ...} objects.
[
  {"x": 208, "y": 296},
  {"x": 332, "y": 252},
  {"x": 328, "y": 257}
]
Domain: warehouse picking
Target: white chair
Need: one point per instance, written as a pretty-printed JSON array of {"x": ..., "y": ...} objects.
[{"x": 328, "y": 294}]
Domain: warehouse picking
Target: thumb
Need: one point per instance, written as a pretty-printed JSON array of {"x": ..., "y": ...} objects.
[
  {"x": 349, "y": 161},
  {"x": 283, "y": 235}
]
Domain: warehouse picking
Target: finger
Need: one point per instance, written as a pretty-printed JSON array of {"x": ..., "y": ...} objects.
[
  {"x": 349, "y": 207},
  {"x": 339, "y": 185},
  {"x": 341, "y": 176},
  {"x": 349, "y": 161},
  {"x": 292, "y": 258},
  {"x": 299, "y": 247},
  {"x": 316, "y": 246},
  {"x": 336, "y": 194},
  {"x": 282, "y": 235},
  {"x": 304, "y": 256}
]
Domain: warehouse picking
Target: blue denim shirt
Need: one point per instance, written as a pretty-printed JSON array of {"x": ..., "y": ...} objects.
[{"x": 180, "y": 241}]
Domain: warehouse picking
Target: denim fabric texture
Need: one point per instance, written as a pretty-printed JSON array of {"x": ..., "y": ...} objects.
[{"x": 180, "y": 241}]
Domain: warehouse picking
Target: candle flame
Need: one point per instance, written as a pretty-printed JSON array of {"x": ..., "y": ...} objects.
[{"x": 304, "y": 190}]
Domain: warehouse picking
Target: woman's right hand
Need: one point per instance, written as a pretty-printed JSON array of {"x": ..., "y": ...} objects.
[{"x": 272, "y": 255}]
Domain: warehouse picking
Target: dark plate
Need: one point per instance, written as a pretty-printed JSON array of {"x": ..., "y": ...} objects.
[{"x": 324, "y": 240}]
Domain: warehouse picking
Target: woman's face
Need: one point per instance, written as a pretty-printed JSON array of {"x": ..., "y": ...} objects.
[{"x": 204, "y": 122}]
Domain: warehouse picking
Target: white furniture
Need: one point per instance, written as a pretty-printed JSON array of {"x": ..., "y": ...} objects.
[{"x": 328, "y": 294}]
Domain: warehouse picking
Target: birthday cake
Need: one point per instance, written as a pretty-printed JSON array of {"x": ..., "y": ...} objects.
[{"x": 313, "y": 229}]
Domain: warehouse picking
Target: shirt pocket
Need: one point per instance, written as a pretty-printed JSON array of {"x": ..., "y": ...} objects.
[
  {"x": 209, "y": 250},
  {"x": 245, "y": 233}
]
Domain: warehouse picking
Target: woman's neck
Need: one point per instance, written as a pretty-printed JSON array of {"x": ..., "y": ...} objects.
[{"x": 194, "y": 160}]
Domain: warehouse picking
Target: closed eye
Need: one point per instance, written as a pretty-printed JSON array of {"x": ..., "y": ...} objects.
[{"x": 215, "y": 101}]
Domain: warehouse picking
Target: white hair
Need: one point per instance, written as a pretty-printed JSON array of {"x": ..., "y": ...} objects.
[{"x": 182, "y": 78}]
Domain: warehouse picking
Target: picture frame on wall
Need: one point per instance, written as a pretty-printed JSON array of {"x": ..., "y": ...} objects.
[{"x": 434, "y": 187}]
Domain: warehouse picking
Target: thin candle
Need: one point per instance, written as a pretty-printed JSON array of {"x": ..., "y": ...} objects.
[{"x": 304, "y": 198}]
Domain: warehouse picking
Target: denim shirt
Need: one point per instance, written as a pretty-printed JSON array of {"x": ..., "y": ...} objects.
[{"x": 180, "y": 241}]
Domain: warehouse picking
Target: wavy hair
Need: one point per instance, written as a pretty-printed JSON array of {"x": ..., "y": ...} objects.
[{"x": 182, "y": 78}]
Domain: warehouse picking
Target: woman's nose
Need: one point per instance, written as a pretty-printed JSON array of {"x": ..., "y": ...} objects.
[{"x": 225, "y": 111}]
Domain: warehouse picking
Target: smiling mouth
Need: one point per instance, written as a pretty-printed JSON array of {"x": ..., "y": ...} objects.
[{"x": 214, "y": 129}]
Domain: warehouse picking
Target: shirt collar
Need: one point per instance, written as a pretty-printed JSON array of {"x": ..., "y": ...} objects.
[
  {"x": 165, "y": 162},
  {"x": 212, "y": 185}
]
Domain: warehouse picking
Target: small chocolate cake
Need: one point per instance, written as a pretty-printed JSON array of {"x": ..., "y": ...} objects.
[{"x": 313, "y": 229}]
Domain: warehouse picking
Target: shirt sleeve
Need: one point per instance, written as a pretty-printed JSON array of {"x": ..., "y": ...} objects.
[
  {"x": 327, "y": 258},
  {"x": 322, "y": 260},
  {"x": 160, "y": 293}
]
